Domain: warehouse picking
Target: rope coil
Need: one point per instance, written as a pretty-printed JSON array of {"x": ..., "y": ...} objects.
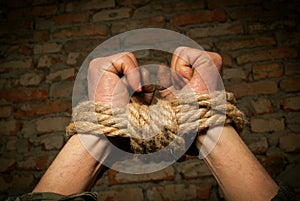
[{"x": 151, "y": 128}]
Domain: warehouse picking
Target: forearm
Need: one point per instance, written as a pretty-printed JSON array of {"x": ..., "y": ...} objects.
[
  {"x": 239, "y": 174},
  {"x": 74, "y": 170}
]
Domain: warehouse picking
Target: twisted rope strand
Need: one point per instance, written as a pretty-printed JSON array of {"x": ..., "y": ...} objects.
[{"x": 154, "y": 127}]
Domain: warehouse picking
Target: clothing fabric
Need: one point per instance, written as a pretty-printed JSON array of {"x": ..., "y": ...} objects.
[{"x": 284, "y": 194}]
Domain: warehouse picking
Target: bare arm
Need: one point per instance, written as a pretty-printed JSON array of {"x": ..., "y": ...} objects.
[
  {"x": 239, "y": 174},
  {"x": 74, "y": 170}
]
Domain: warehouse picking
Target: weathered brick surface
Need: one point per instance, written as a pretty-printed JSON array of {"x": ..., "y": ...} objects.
[
  {"x": 216, "y": 30},
  {"x": 114, "y": 14},
  {"x": 24, "y": 95},
  {"x": 267, "y": 71},
  {"x": 267, "y": 125},
  {"x": 235, "y": 44},
  {"x": 80, "y": 31},
  {"x": 44, "y": 43},
  {"x": 162, "y": 175},
  {"x": 199, "y": 17},
  {"x": 47, "y": 48},
  {"x": 290, "y": 85},
  {"x": 51, "y": 124},
  {"x": 180, "y": 192},
  {"x": 134, "y": 194},
  {"x": 258, "y": 145},
  {"x": 194, "y": 169},
  {"x": 264, "y": 55},
  {"x": 290, "y": 143},
  {"x": 261, "y": 106},
  {"x": 255, "y": 88}
]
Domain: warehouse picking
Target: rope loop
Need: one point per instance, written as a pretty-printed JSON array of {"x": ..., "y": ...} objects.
[{"x": 151, "y": 128}]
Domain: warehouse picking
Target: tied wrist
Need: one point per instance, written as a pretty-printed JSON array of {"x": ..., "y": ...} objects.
[{"x": 151, "y": 128}]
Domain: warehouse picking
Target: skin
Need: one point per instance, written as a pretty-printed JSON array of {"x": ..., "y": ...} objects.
[{"x": 239, "y": 174}]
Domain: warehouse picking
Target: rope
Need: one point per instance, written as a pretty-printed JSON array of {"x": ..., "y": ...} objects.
[{"x": 151, "y": 128}]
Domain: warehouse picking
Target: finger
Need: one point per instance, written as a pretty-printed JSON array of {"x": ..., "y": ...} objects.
[
  {"x": 164, "y": 77},
  {"x": 181, "y": 71},
  {"x": 201, "y": 68},
  {"x": 126, "y": 64},
  {"x": 148, "y": 89}
]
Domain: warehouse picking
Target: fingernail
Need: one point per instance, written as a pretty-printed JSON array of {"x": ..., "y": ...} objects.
[{"x": 139, "y": 88}]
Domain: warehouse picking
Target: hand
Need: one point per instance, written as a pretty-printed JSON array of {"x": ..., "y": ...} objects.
[
  {"x": 105, "y": 84},
  {"x": 191, "y": 70}
]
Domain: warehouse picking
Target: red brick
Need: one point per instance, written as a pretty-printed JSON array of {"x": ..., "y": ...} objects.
[
  {"x": 134, "y": 2},
  {"x": 119, "y": 27},
  {"x": 4, "y": 184},
  {"x": 264, "y": 55},
  {"x": 216, "y": 30},
  {"x": 89, "y": 5},
  {"x": 226, "y": 60},
  {"x": 47, "y": 48},
  {"x": 79, "y": 31},
  {"x": 65, "y": 74},
  {"x": 121, "y": 194},
  {"x": 203, "y": 16},
  {"x": 43, "y": 10},
  {"x": 261, "y": 106},
  {"x": 16, "y": 95},
  {"x": 115, "y": 14},
  {"x": 255, "y": 88},
  {"x": 53, "y": 142},
  {"x": 290, "y": 143},
  {"x": 16, "y": 3},
  {"x": 290, "y": 85},
  {"x": 234, "y": 74},
  {"x": 39, "y": 36},
  {"x": 41, "y": 162},
  {"x": 229, "y": 3},
  {"x": 74, "y": 58},
  {"x": 51, "y": 124},
  {"x": 121, "y": 178},
  {"x": 273, "y": 164},
  {"x": 17, "y": 64},
  {"x": 292, "y": 68},
  {"x": 39, "y": 109},
  {"x": 5, "y": 111},
  {"x": 23, "y": 182},
  {"x": 258, "y": 145},
  {"x": 250, "y": 12},
  {"x": 13, "y": 25},
  {"x": 245, "y": 43},
  {"x": 46, "y": 61},
  {"x": 155, "y": 8},
  {"x": 178, "y": 192},
  {"x": 291, "y": 104},
  {"x": 34, "y": 163},
  {"x": 267, "y": 125},
  {"x": 71, "y": 18},
  {"x": 267, "y": 71},
  {"x": 293, "y": 121},
  {"x": 33, "y": 11},
  {"x": 266, "y": 26},
  {"x": 7, "y": 164},
  {"x": 30, "y": 79},
  {"x": 195, "y": 168},
  {"x": 9, "y": 127},
  {"x": 61, "y": 89},
  {"x": 81, "y": 45},
  {"x": 11, "y": 145}
]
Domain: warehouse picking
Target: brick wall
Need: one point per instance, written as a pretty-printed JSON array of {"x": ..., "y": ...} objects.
[{"x": 43, "y": 43}]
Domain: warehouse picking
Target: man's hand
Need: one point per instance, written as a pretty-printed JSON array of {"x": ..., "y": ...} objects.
[
  {"x": 191, "y": 70},
  {"x": 105, "y": 82}
]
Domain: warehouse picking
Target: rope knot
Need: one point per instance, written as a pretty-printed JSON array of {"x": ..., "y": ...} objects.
[{"x": 154, "y": 127}]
